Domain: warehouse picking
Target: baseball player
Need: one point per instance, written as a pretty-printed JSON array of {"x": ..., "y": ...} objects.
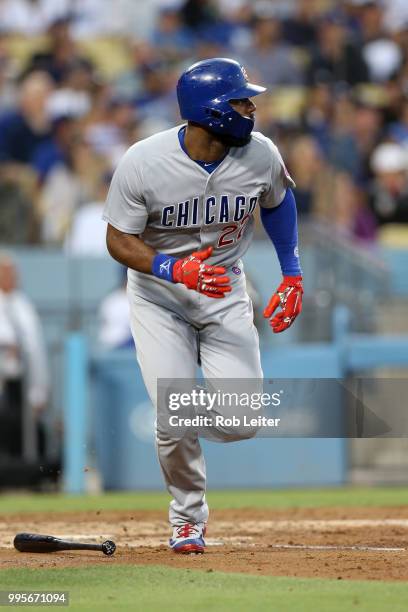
[{"x": 180, "y": 215}]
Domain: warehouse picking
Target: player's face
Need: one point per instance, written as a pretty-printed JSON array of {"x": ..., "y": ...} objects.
[
  {"x": 8, "y": 277},
  {"x": 244, "y": 107}
]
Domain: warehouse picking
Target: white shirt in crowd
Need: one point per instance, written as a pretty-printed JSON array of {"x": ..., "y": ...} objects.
[
  {"x": 114, "y": 317},
  {"x": 22, "y": 347},
  {"x": 87, "y": 235},
  {"x": 90, "y": 18}
]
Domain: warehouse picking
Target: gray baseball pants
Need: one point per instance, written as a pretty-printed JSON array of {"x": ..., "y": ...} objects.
[{"x": 165, "y": 321}]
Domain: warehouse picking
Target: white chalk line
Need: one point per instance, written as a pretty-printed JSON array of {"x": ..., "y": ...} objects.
[
  {"x": 297, "y": 546},
  {"x": 322, "y": 547},
  {"x": 153, "y": 535},
  {"x": 210, "y": 543},
  {"x": 319, "y": 524},
  {"x": 93, "y": 538},
  {"x": 239, "y": 541}
]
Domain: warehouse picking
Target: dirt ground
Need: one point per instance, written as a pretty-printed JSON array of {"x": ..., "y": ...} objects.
[{"x": 342, "y": 543}]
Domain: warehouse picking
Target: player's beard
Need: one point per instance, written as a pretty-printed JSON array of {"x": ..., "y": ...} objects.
[{"x": 232, "y": 141}]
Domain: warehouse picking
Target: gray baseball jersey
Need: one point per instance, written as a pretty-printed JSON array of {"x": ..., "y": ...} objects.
[{"x": 176, "y": 207}]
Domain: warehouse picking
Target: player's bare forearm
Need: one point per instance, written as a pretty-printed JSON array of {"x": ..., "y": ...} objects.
[{"x": 129, "y": 250}]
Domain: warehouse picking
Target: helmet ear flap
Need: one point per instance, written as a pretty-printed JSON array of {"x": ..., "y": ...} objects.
[
  {"x": 212, "y": 112},
  {"x": 214, "y": 117}
]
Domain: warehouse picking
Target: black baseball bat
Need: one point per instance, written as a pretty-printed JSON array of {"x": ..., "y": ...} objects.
[{"x": 37, "y": 543}]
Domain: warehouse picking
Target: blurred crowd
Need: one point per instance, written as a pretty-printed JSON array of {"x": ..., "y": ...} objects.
[
  {"x": 24, "y": 374},
  {"x": 80, "y": 81}
]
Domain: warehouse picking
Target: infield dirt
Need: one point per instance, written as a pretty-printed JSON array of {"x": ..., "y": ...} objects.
[{"x": 245, "y": 541}]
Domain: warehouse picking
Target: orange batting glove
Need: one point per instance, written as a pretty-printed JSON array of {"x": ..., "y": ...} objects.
[{"x": 289, "y": 297}]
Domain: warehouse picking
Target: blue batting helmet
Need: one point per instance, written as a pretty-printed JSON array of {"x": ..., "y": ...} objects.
[{"x": 204, "y": 91}]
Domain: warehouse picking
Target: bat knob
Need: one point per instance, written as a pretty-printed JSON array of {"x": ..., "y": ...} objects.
[{"x": 108, "y": 547}]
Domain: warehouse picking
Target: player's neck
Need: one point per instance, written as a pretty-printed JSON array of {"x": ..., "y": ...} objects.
[{"x": 203, "y": 145}]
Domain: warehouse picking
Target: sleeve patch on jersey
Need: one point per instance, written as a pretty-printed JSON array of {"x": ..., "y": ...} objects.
[{"x": 286, "y": 175}]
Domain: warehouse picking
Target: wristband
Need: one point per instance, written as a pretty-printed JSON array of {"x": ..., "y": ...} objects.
[{"x": 162, "y": 266}]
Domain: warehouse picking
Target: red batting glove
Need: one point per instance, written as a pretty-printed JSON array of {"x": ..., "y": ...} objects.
[
  {"x": 194, "y": 274},
  {"x": 289, "y": 297}
]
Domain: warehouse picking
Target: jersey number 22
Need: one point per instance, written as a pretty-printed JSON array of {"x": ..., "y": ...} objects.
[{"x": 232, "y": 232}]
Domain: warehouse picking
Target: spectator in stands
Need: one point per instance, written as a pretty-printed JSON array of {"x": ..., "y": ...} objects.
[
  {"x": 87, "y": 235},
  {"x": 395, "y": 15},
  {"x": 170, "y": 35},
  {"x": 393, "y": 98},
  {"x": 31, "y": 17},
  {"x": 22, "y": 131},
  {"x": 8, "y": 89},
  {"x": 73, "y": 97},
  {"x": 389, "y": 191},
  {"x": 300, "y": 28},
  {"x": 366, "y": 128},
  {"x": 341, "y": 206},
  {"x": 158, "y": 97},
  {"x": 370, "y": 16},
  {"x": 62, "y": 55},
  {"x": 99, "y": 18},
  {"x": 382, "y": 54},
  {"x": 346, "y": 129},
  {"x": 269, "y": 56},
  {"x": 56, "y": 151},
  {"x": 24, "y": 375},
  {"x": 114, "y": 318},
  {"x": 346, "y": 146},
  {"x": 238, "y": 14},
  {"x": 129, "y": 84},
  {"x": 398, "y": 131},
  {"x": 199, "y": 14},
  {"x": 214, "y": 23},
  {"x": 110, "y": 132},
  {"x": 317, "y": 113},
  {"x": 67, "y": 187},
  {"x": 18, "y": 197},
  {"x": 308, "y": 170},
  {"x": 336, "y": 57}
]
